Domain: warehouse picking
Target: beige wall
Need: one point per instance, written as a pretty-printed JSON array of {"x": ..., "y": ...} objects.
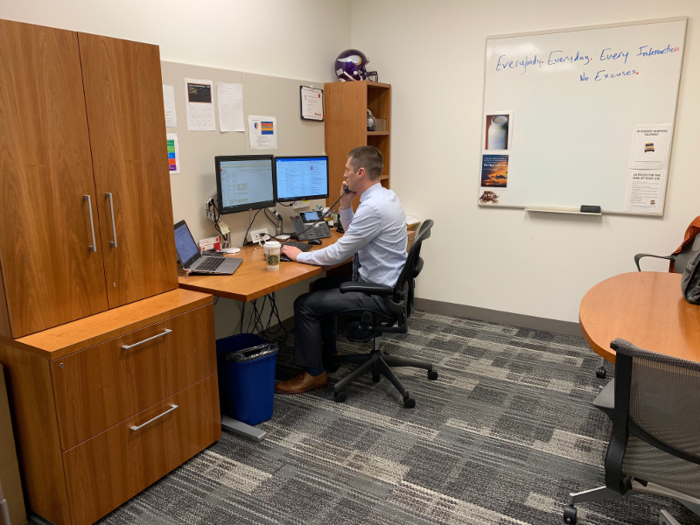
[
  {"x": 506, "y": 260},
  {"x": 284, "y": 38}
]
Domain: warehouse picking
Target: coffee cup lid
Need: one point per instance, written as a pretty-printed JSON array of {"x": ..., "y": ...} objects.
[{"x": 272, "y": 244}]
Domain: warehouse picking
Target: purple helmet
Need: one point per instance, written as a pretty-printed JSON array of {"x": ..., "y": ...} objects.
[{"x": 350, "y": 65}]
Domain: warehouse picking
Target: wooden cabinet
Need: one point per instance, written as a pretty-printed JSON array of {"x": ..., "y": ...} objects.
[
  {"x": 96, "y": 338},
  {"x": 346, "y": 105},
  {"x": 9, "y": 467},
  {"x": 50, "y": 274},
  {"x": 78, "y": 390},
  {"x": 67, "y": 250}
]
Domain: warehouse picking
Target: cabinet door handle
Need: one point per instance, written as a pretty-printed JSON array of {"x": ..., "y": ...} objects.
[
  {"x": 164, "y": 332},
  {"x": 93, "y": 248},
  {"x": 113, "y": 243},
  {"x": 135, "y": 428}
]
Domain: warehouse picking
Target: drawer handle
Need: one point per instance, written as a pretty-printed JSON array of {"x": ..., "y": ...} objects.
[
  {"x": 164, "y": 332},
  {"x": 135, "y": 428}
]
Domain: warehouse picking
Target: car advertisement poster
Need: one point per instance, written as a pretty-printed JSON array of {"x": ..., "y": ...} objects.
[{"x": 650, "y": 147}]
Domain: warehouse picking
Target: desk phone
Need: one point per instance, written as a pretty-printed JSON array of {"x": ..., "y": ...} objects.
[{"x": 303, "y": 221}]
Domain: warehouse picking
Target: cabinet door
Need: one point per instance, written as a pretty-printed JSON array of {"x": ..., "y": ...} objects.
[
  {"x": 51, "y": 265},
  {"x": 124, "y": 98}
]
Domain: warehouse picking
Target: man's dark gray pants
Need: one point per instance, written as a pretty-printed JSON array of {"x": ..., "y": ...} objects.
[{"x": 315, "y": 318}]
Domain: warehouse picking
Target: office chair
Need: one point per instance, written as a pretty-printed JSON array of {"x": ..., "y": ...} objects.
[
  {"x": 680, "y": 259},
  {"x": 370, "y": 325},
  {"x": 654, "y": 405}
]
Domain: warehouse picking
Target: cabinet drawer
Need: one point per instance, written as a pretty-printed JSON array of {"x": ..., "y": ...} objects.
[
  {"x": 100, "y": 386},
  {"x": 114, "y": 466}
]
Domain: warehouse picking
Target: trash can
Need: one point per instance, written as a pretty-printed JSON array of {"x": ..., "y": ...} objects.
[{"x": 246, "y": 366}]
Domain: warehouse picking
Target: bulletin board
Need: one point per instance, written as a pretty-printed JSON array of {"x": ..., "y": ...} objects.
[{"x": 262, "y": 95}]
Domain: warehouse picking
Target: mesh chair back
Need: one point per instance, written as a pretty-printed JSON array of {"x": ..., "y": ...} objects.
[
  {"x": 686, "y": 254},
  {"x": 413, "y": 267},
  {"x": 663, "y": 445}
]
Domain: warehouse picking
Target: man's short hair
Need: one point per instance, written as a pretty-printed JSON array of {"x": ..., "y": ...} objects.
[{"x": 369, "y": 158}]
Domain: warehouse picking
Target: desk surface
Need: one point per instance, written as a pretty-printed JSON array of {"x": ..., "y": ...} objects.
[
  {"x": 252, "y": 279},
  {"x": 645, "y": 308}
]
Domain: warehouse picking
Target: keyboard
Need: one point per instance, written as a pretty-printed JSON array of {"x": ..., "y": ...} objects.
[
  {"x": 210, "y": 264},
  {"x": 301, "y": 245}
]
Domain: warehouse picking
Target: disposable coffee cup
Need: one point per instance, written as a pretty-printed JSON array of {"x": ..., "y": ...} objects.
[{"x": 272, "y": 255}]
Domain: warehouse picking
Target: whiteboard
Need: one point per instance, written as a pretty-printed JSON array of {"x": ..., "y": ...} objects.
[{"x": 572, "y": 99}]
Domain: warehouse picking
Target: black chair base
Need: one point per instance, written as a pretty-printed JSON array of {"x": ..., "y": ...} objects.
[{"x": 379, "y": 363}]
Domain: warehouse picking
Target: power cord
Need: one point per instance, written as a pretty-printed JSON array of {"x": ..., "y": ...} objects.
[
  {"x": 264, "y": 329},
  {"x": 212, "y": 213},
  {"x": 246, "y": 243}
]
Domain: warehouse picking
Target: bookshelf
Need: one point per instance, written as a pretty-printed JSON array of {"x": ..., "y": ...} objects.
[{"x": 346, "y": 126}]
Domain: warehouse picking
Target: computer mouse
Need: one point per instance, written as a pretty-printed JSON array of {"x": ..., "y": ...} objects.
[{"x": 315, "y": 241}]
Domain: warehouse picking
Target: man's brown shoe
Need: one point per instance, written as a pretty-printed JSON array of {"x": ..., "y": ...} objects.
[{"x": 303, "y": 382}]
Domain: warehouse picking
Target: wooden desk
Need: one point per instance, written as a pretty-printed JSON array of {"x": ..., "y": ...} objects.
[
  {"x": 645, "y": 308},
  {"x": 252, "y": 279}
]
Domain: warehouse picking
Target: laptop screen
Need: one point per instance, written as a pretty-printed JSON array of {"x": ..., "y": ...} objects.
[{"x": 186, "y": 248}]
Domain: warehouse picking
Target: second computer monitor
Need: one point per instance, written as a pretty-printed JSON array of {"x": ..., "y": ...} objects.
[{"x": 301, "y": 178}]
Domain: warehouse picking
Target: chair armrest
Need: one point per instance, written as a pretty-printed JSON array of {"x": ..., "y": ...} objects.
[
  {"x": 381, "y": 290},
  {"x": 640, "y": 255}
]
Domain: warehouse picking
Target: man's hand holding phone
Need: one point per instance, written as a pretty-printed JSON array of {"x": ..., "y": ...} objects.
[{"x": 346, "y": 196}]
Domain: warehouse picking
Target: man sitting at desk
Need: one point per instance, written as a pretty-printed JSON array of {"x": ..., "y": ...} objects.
[{"x": 376, "y": 236}]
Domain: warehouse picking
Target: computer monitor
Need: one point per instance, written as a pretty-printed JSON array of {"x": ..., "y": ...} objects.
[
  {"x": 245, "y": 182},
  {"x": 301, "y": 178}
]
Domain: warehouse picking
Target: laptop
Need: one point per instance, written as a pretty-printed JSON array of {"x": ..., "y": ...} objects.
[{"x": 193, "y": 261}]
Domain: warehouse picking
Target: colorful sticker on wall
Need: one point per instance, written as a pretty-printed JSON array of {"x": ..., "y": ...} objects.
[
  {"x": 494, "y": 171},
  {"x": 173, "y": 153},
  {"x": 489, "y": 197}
]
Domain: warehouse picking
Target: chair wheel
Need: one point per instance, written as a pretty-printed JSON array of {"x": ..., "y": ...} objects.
[
  {"x": 570, "y": 514},
  {"x": 376, "y": 376},
  {"x": 409, "y": 403},
  {"x": 600, "y": 372},
  {"x": 432, "y": 375},
  {"x": 340, "y": 397}
]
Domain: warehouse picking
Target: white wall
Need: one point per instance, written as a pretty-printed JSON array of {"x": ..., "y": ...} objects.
[
  {"x": 284, "y": 38},
  {"x": 506, "y": 260}
]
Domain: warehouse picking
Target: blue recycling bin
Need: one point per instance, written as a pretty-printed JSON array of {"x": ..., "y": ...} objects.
[{"x": 246, "y": 366}]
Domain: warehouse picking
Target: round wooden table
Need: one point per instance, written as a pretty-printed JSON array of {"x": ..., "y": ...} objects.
[{"x": 645, "y": 308}]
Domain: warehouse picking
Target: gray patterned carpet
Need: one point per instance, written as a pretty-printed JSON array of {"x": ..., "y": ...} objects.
[{"x": 504, "y": 434}]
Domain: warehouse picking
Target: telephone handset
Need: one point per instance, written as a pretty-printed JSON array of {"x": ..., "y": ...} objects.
[{"x": 302, "y": 223}]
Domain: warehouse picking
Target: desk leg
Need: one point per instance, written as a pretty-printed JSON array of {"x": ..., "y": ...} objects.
[{"x": 240, "y": 428}]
